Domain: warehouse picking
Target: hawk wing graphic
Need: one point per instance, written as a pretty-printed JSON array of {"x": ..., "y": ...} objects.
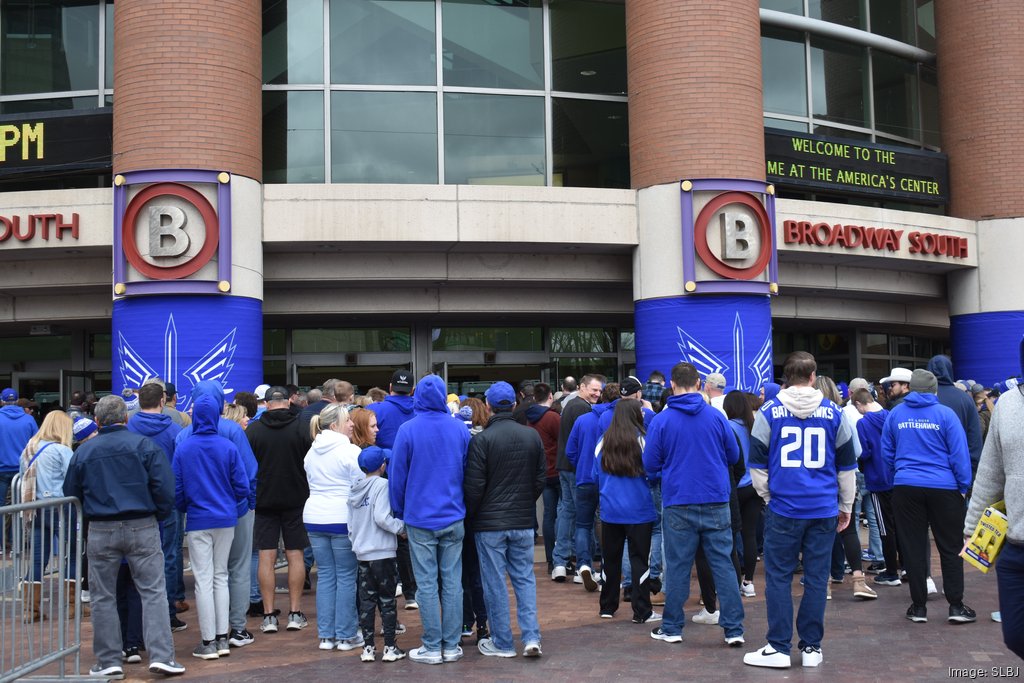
[
  {"x": 761, "y": 365},
  {"x": 134, "y": 370},
  {"x": 216, "y": 365},
  {"x": 702, "y": 359}
]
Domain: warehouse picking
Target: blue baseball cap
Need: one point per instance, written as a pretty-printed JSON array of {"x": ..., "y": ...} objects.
[
  {"x": 372, "y": 458},
  {"x": 501, "y": 395},
  {"x": 9, "y": 395}
]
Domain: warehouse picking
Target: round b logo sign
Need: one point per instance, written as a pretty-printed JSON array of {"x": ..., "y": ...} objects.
[
  {"x": 170, "y": 231},
  {"x": 732, "y": 236}
]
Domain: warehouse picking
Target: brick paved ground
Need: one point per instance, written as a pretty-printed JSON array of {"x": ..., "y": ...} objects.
[{"x": 864, "y": 641}]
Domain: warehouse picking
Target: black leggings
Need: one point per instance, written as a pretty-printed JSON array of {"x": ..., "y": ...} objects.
[
  {"x": 851, "y": 544},
  {"x": 751, "y": 506}
]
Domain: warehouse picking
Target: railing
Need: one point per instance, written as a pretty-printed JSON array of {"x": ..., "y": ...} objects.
[{"x": 40, "y": 587}]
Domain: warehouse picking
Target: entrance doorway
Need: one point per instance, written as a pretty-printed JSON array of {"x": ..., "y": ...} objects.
[
  {"x": 473, "y": 380},
  {"x": 363, "y": 377}
]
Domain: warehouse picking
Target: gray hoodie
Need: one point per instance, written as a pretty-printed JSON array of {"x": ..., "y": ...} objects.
[
  {"x": 1001, "y": 472},
  {"x": 371, "y": 526}
]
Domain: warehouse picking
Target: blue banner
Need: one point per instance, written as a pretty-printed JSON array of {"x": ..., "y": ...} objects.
[
  {"x": 987, "y": 346},
  {"x": 727, "y": 334},
  {"x": 187, "y": 339}
]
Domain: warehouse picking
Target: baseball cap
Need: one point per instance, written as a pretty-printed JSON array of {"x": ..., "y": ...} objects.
[
  {"x": 261, "y": 392},
  {"x": 401, "y": 382},
  {"x": 898, "y": 375},
  {"x": 501, "y": 395},
  {"x": 170, "y": 389},
  {"x": 715, "y": 379},
  {"x": 630, "y": 386},
  {"x": 9, "y": 395},
  {"x": 370, "y": 459},
  {"x": 82, "y": 428},
  {"x": 276, "y": 394}
]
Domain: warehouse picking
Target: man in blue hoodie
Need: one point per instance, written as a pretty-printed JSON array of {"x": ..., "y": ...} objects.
[
  {"x": 16, "y": 428},
  {"x": 695, "y": 489},
  {"x": 240, "y": 558},
  {"x": 151, "y": 421},
  {"x": 428, "y": 463},
  {"x": 395, "y": 410},
  {"x": 926, "y": 448},
  {"x": 961, "y": 403}
]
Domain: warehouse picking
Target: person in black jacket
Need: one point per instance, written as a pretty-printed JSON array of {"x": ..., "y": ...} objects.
[
  {"x": 279, "y": 441},
  {"x": 505, "y": 474},
  {"x": 126, "y": 485}
]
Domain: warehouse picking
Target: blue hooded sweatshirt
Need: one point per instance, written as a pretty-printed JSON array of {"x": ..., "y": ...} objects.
[
  {"x": 743, "y": 438},
  {"x": 771, "y": 390},
  {"x": 210, "y": 482},
  {"x": 961, "y": 403},
  {"x": 924, "y": 444},
  {"x": 393, "y": 412},
  {"x": 877, "y": 475},
  {"x": 157, "y": 426},
  {"x": 624, "y": 500},
  {"x": 428, "y": 462},
  {"x": 606, "y": 419},
  {"x": 691, "y": 445},
  {"x": 582, "y": 442},
  {"x": 16, "y": 428},
  {"x": 230, "y": 430}
]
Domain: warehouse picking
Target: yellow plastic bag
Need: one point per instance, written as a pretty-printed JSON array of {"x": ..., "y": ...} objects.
[{"x": 988, "y": 538}]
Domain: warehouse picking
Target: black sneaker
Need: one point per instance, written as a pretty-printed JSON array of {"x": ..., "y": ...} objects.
[
  {"x": 131, "y": 655},
  {"x": 961, "y": 614},
  {"x": 875, "y": 568},
  {"x": 255, "y": 609},
  {"x": 627, "y": 594},
  {"x": 177, "y": 625},
  {"x": 241, "y": 638},
  {"x": 655, "y": 585},
  {"x": 482, "y": 634},
  {"x": 919, "y": 613}
]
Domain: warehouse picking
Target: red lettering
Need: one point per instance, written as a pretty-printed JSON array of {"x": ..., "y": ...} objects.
[
  {"x": 855, "y": 236},
  {"x": 817, "y": 236},
  {"x": 963, "y": 247},
  {"x": 8, "y": 228},
  {"x": 60, "y": 226},
  {"x": 804, "y": 228},
  {"x": 790, "y": 231},
  {"x": 896, "y": 236},
  {"x": 24, "y": 237},
  {"x": 915, "y": 242},
  {"x": 43, "y": 220}
]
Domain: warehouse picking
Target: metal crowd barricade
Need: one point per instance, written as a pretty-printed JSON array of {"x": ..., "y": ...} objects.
[{"x": 40, "y": 607}]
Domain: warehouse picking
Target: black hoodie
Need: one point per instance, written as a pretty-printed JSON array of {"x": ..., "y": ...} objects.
[
  {"x": 961, "y": 403},
  {"x": 279, "y": 443}
]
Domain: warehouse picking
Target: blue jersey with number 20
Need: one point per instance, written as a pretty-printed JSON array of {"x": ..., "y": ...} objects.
[{"x": 803, "y": 458}]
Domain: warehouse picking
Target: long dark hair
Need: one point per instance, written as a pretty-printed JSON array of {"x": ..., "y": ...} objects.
[
  {"x": 621, "y": 454},
  {"x": 737, "y": 406}
]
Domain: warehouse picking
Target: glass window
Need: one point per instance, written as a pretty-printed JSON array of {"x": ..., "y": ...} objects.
[
  {"x": 293, "y": 41},
  {"x": 383, "y": 42},
  {"x": 901, "y": 345},
  {"x": 273, "y": 342},
  {"x": 577, "y": 367},
  {"x": 108, "y": 45},
  {"x": 788, "y": 6},
  {"x": 582, "y": 340},
  {"x": 56, "y": 347},
  {"x": 293, "y": 137},
  {"x": 877, "y": 344},
  {"x": 275, "y": 372},
  {"x": 930, "y": 106},
  {"x": 99, "y": 346},
  {"x": 54, "y": 104},
  {"x": 833, "y": 132},
  {"x": 351, "y": 341},
  {"x": 839, "y": 73},
  {"x": 627, "y": 340},
  {"x": 588, "y": 46},
  {"x": 49, "y": 46},
  {"x": 491, "y": 44},
  {"x": 383, "y": 137},
  {"x": 785, "y": 124},
  {"x": 783, "y": 72},
  {"x": 894, "y": 19},
  {"x": 895, "y": 95},
  {"x": 845, "y": 12},
  {"x": 493, "y": 139},
  {"x": 926, "y": 24},
  {"x": 487, "y": 339},
  {"x": 874, "y": 369},
  {"x": 591, "y": 143}
]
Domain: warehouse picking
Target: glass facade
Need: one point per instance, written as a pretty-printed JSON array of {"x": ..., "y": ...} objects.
[{"x": 516, "y": 92}]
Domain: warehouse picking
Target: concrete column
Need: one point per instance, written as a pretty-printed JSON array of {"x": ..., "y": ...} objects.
[{"x": 187, "y": 114}]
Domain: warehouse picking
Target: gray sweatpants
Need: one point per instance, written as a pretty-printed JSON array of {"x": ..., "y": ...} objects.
[
  {"x": 239, "y": 578},
  {"x": 208, "y": 551}
]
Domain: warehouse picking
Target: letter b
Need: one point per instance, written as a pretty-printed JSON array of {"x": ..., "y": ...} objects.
[
  {"x": 740, "y": 239},
  {"x": 167, "y": 222}
]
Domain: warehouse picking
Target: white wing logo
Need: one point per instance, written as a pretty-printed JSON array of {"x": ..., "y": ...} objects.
[
  {"x": 748, "y": 378},
  {"x": 216, "y": 364}
]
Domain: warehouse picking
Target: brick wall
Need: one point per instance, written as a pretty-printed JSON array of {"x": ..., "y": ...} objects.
[
  {"x": 695, "y": 102},
  {"x": 981, "y": 104},
  {"x": 187, "y": 78}
]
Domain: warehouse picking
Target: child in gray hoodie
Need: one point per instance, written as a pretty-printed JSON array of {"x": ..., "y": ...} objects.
[{"x": 372, "y": 528}]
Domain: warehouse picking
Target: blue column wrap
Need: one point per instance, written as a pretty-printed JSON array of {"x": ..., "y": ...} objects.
[{"x": 987, "y": 346}]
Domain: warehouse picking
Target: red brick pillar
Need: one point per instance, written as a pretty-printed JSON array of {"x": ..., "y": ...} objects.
[
  {"x": 187, "y": 82},
  {"x": 981, "y": 105},
  {"x": 695, "y": 103}
]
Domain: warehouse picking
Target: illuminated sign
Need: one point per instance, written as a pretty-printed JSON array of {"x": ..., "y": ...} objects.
[
  {"x": 55, "y": 142},
  {"x": 844, "y": 166}
]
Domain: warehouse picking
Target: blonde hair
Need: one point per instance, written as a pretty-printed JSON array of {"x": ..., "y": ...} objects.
[
  {"x": 361, "y": 401},
  {"x": 57, "y": 428},
  {"x": 331, "y": 415},
  {"x": 235, "y": 413}
]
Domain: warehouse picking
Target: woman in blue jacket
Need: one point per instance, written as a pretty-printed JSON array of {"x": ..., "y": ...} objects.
[{"x": 627, "y": 510}]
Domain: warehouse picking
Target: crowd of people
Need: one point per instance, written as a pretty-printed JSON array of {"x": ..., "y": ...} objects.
[{"x": 419, "y": 494}]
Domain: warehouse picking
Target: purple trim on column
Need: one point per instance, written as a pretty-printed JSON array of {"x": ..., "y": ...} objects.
[
  {"x": 224, "y": 231},
  {"x": 756, "y": 187}
]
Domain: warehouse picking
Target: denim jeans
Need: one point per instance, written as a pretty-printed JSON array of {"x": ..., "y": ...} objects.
[
  {"x": 45, "y": 529},
  {"x": 176, "y": 591},
  {"x": 337, "y": 573},
  {"x": 5, "y": 484},
  {"x": 587, "y": 498},
  {"x": 1010, "y": 579},
  {"x": 170, "y": 544},
  {"x": 566, "y": 522},
  {"x": 138, "y": 541},
  {"x": 786, "y": 540},
  {"x": 509, "y": 551},
  {"x": 656, "y": 535},
  {"x": 874, "y": 535},
  {"x": 686, "y": 527},
  {"x": 437, "y": 559},
  {"x": 552, "y": 493}
]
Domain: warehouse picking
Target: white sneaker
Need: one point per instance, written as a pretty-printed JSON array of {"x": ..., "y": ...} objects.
[
  {"x": 327, "y": 643},
  {"x": 586, "y": 576},
  {"x": 705, "y": 617},
  {"x": 734, "y": 641},
  {"x": 487, "y": 648},
  {"x": 85, "y": 597},
  {"x": 532, "y": 649},
  {"x": 811, "y": 656},
  {"x": 398, "y": 591},
  {"x": 369, "y": 654},
  {"x": 747, "y": 589},
  {"x": 558, "y": 574},
  {"x": 425, "y": 656},
  {"x": 768, "y": 657},
  {"x": 354, "y": 643},
  {"x": 454, "y": 654},
  {"x": 932, "y": 590}
]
